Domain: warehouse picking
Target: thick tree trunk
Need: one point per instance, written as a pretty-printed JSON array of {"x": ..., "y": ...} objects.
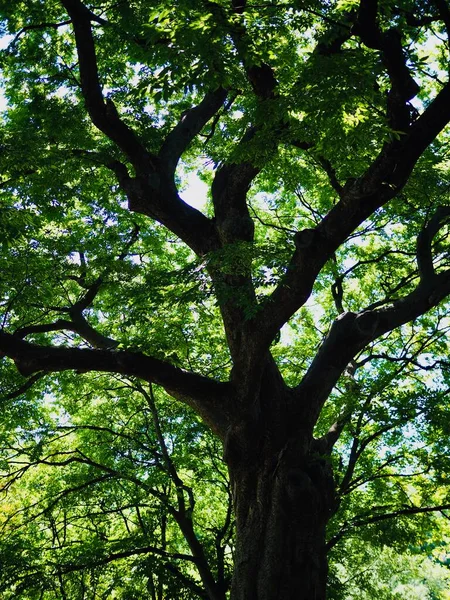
[
  {"x": 283, "y": 500},
  {"x": 282, "y": 511}
]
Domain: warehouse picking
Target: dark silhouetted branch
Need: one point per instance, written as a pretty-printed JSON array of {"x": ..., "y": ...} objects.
[{"x": 206, "y": 396}]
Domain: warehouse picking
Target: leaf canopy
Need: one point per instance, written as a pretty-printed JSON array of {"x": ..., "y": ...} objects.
[{"x": 321, "y": 132}]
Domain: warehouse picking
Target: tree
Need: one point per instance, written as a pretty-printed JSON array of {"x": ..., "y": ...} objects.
[{"x": 301, "y": 315}]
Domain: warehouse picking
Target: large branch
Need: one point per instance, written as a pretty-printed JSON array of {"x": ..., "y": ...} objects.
[
  {"x": 351, "y": 333},
  {"x": 382, "y": 181},
  {"x": 234, "y": 287},
  {"x": 229, "y": 191},
  {"x": 78, "y": 325},
  {"x": 403, "y": 86},
  {"x": 103, "y": 113},
  {"x": 190, "y": 125},
  {"x": 206, "y": 396},
  {"x": 156, "y": 196},
  {"x": 152, "y": 191},
  {"x": 259, "y": 74}
]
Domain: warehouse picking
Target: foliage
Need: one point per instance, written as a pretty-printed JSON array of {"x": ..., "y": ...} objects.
[{"x": 131, "y": 320}]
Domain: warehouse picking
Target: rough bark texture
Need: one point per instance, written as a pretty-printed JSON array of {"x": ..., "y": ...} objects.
[
  {"x": 281, "y": 514},
  {"x": 283, "y": 492}
]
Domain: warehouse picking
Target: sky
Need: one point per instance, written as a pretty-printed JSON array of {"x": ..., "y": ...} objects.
[{"x": 195, "y": 192}]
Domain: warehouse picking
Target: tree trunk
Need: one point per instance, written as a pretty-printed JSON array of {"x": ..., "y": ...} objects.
[{"x": 283, "y": 501}]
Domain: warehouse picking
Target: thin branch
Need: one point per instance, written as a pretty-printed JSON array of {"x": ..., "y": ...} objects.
[
  {"x": 410, "y": 511},
  {"x": 444, "y": 14},
  {"x": 34, "y": 26},
  {"x": 403, "y": 86},
  {"x": 23, "y": 388},
  {"x": 330, "y": 171},
  {"x": 70, "y": 568},
  {"x": 184, "y": 514},
  {"x": 271, "y": 225}
]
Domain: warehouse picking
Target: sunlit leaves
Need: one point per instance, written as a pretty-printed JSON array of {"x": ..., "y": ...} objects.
[{"x": 92, "y": 474}]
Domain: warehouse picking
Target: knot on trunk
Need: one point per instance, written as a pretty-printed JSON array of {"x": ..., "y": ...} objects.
[
  {"x": 366, "y": 323},
  {"x": 310, "y": 487},
  {"x": 305, "y": 238},
  {"x": 241, "y": 444},
  {"x": 305, "y": 481}
]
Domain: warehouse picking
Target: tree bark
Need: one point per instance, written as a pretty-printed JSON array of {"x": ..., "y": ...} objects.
[{"x": 284, "y": 495}]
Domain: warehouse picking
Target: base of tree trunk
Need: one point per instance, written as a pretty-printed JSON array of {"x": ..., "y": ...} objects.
[{"x": 282, "y": 508}]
